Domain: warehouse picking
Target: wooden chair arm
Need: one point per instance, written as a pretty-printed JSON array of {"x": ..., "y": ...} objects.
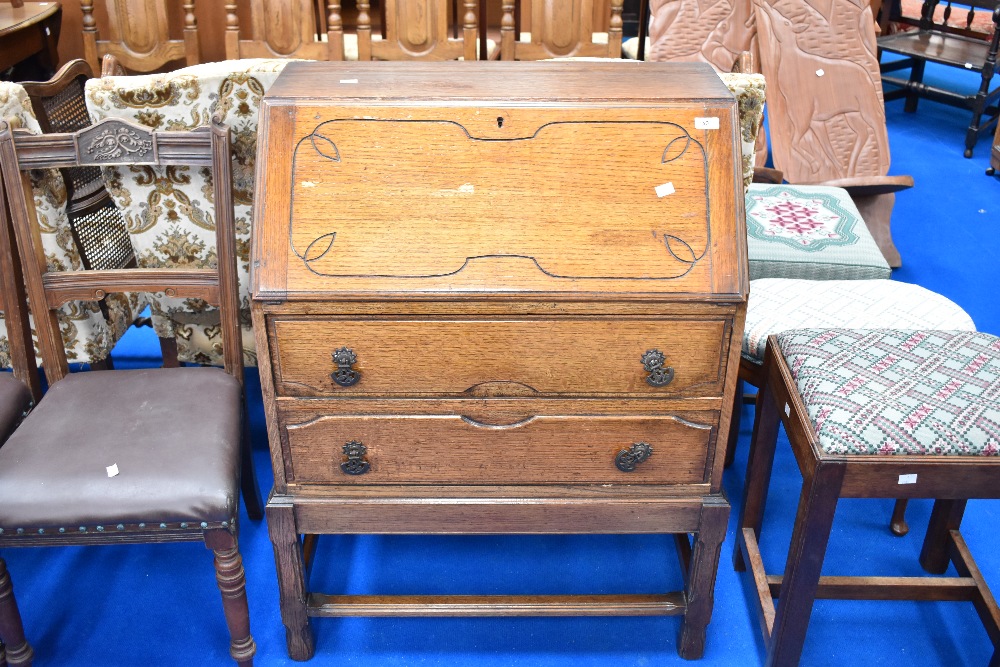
[{"x": 866, "y": 186}]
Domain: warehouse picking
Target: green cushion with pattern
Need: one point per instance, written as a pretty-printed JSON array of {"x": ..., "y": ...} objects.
[{"x": 813, "y": 232}]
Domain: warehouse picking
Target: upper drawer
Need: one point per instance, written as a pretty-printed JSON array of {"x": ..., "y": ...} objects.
[{"x": 490, "y": 357}]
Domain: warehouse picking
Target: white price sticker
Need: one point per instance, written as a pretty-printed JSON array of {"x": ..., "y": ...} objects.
[
  {"x": 908, "y": 479},
  {"x": 665, "y": 189},
  {"x": 711, "y": 123},
  {"x": 112, "y": 470}
]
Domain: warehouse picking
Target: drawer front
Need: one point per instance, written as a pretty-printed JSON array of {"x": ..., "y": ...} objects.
[
  {"x": 441, "y": 449},
  {"x": 525, "y": 357}
]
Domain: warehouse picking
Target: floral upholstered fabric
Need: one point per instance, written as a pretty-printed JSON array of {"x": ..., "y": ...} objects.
[
  {"x": 87, "y": 335},
  {"x": 812, "y": 232},
  {"x": 749, "y": 91},
  {"x": 168, "y": 211},
  {"x": 780, "y": 304},
  {"x": 887, "y": 392}
]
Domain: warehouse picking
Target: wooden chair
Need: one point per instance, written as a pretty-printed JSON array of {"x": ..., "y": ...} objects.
[
  {"x": 935, "y": 452},
  {"x": 825, "y": 110},
  {"x": 965, "y": 48},
  {"x": 560, "y": 29},
  {"x": 97, "y": 225},
  {"x": 288, "y": 29},
  {"x": 417, "y": 30},
  {"x": 141, "y": 45},
  {"x": 175, "y": 445}
]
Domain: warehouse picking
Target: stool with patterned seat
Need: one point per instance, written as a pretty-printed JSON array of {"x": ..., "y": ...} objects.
[
  {"x": 779, "y": 304},
  {"x": 873, "y": 414},
  {"x": 812, "y": 232}
]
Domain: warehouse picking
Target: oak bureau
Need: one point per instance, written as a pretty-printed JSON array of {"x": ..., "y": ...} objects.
[{"x": 498, "y": 298}]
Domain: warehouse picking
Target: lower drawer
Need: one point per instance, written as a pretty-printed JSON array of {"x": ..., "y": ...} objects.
[{"x": 435, "y": 449}]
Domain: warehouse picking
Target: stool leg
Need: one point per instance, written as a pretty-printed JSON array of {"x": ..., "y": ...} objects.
[
  {"x": 898, "y": 523},
  {"x": 946, "y": 516},
  {"x": 760, "y": 461},
  {"x": 817, "y": 505}
]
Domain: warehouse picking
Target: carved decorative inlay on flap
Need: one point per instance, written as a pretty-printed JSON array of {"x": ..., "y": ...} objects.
[
  {"x": 115, "y": 141},
  {"x": 568, "y": 200}
]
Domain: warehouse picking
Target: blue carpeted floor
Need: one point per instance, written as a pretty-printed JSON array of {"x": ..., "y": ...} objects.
[{"x": 158, "y": 605}]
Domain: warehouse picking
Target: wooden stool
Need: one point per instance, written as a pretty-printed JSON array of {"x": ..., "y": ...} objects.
[{"x": 873, "y": 414}]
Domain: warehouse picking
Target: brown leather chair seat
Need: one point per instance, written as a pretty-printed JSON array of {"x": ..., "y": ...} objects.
[
  {"x": 15, "y": 399},
  {"x": 175, "y": 438}
]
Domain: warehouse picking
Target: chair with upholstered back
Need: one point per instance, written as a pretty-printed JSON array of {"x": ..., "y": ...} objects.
[
  {"x": 560, "y": 28},
  {"x": 141, "y": 45},
  {"x": 167, "y": 467}
]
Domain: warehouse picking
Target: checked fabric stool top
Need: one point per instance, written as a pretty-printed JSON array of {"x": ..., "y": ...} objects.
[
  {"x": 884, "y": 392},
  {"x": 812, "y": 232},
  {"x": 778, "y": 305}
]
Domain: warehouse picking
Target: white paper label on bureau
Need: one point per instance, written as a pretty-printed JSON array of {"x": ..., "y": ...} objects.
[
  {"x": 664, "y": 190},
  {"x": 908, "y": 479},
  {"x": 710, "y": 123}
]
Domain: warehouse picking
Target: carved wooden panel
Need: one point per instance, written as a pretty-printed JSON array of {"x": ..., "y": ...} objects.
[
  {"x": 139, "y": 34},
  {"x": 824, "y": 91},
  {"x": 711, "y": 31},
  {"x": 283, "y": 25},
  {"x": 418, "y": 29},
  {"x": 560, "y": 28}
]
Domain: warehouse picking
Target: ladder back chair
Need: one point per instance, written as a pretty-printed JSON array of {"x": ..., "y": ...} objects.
[
  {"x": 139, "y": 35},
  {"x": 970, "y": 47},
  {"x": 168, "y": 467},
  {"x": 560, "y": 29}
]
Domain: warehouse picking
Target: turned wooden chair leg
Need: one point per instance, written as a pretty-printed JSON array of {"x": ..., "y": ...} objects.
[
  {"x": 233, "y": 586},
  {"x": 760, "y": 461},
  {"x": 945, "y": 517},
  {"x": 813, "y": 522},
  {"x": 18, "y": 651},
  {"x": 898, "y": 523}
]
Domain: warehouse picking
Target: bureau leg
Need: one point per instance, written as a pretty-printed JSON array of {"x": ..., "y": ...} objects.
[
  {"x": 701, "y": 577},
  {"x": 291, "y": 579}
]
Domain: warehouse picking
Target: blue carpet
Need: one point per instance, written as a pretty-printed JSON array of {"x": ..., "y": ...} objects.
[{"x": 158, "y": 605}]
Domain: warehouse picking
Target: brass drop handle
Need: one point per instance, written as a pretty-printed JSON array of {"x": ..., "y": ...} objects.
[
  {"x": 356, "y": 463},
  {"x": 628, "y": 459},
  {"x": 653, "y": 361},
  {"x": 345, "y": 376}
]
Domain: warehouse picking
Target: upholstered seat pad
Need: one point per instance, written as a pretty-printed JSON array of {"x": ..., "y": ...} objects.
[
  {"x": 813, "y": 232},
  {"x": 15, "y": 399},
  {"x": 173, "y": 433},
  {"x": 779, "y": 304},
  {"x": 884, "y": 392}
]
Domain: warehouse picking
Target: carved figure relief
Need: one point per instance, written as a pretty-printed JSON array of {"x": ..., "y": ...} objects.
[
  {"x": 711, "y": 31},
  {"x": 824, "y": 91}
]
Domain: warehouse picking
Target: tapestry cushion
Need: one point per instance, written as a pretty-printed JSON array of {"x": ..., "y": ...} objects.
[
  {"x": 813, "y": 232},
  {"x": 887, "y": 392},
  {"x": 87, "y": 335},
  {"x": 780, "y": 304},
  {"x": 168, "y": 211}
]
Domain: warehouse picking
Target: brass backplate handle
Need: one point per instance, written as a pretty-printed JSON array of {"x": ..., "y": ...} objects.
[
  {"x": 356, "y": 463},
  {"x": 659, "y": 376},
  {"x": 628, "y": 459},
  {"x": 345, "y": 376}
]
